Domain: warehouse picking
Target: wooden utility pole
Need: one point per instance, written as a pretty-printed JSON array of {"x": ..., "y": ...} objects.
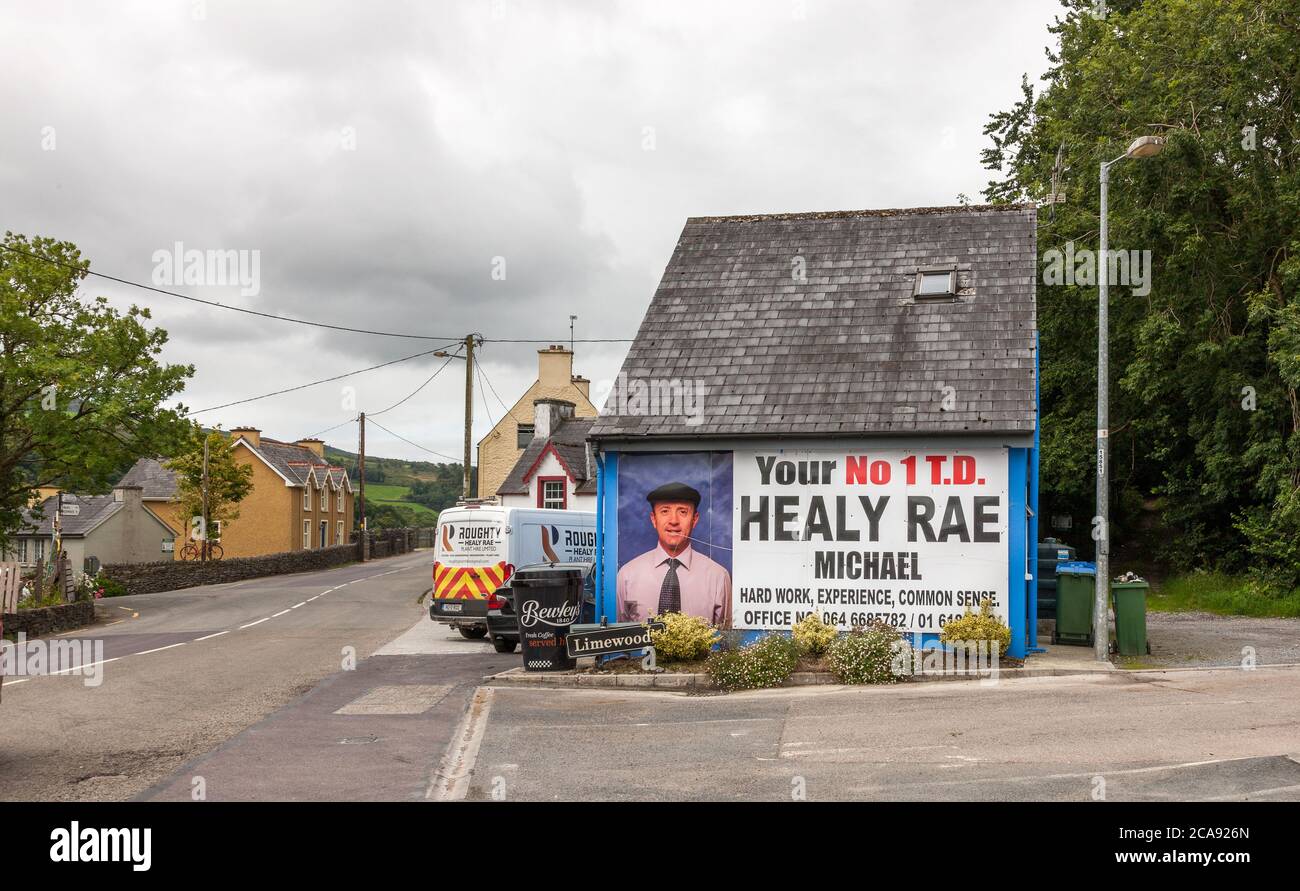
[
  {"x": 203, "y": 546},
  {"x": 361, "y": 472},
  {"x": 469, "y": 407}
]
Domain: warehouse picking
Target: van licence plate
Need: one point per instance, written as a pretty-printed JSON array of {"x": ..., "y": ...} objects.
[{"x": 452, "y": 607}]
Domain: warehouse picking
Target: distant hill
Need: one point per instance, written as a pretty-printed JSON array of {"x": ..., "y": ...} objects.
[{"x": 404, "y": 493}]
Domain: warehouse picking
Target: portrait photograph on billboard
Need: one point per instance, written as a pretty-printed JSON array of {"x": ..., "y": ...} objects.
[{"x": 674, "y": 536}]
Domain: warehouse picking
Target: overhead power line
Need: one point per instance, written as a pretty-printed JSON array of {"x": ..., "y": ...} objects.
[
  {"x": 335, "y": 427},
  {"x": 504, "y": 407},
  {"x": 326, "y": 380},
  {"x": 416, "y": 444},
  {"x": 292, "y": 319},
  {"x": 487, "y": 409},
  {"x": 416, "y": 390}
]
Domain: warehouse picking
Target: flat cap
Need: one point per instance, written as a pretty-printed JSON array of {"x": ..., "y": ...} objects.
[{"x": 675, "y": 492}]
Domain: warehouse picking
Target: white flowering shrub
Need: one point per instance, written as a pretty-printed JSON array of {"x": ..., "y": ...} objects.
[
  {"x": 767, "y": 662},
  {"x": 867, "y": 655}
]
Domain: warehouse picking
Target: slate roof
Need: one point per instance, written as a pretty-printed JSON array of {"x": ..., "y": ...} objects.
[
  {"x": 849, "y": 351},
  {"x": 295, "y": 462},
  {"x": 95, "y": 509},
  {"x": 570, "y": 441},
  {"x": 155, "y": 480}
]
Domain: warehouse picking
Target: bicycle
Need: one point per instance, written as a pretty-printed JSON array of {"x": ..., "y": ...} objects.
[{"x": 193, "y": 550}]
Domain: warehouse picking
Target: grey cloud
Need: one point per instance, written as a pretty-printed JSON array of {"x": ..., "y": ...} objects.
[{"x": 476, "y": 136}]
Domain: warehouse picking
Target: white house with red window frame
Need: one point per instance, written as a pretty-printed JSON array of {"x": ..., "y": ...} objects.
[{"x": 555, "y": 471}]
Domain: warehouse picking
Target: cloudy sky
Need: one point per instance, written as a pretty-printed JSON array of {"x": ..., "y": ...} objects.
[{"x": 380, "y": 157}]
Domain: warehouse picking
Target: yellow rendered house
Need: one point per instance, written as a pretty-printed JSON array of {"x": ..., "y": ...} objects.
[{"x": 298, "y": 501}]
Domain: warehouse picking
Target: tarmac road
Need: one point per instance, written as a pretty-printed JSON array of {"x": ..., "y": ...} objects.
[
  {"x": 1189, "y": 735},
  {"x": 186, "y": 670},
  {"x": 241, "y": 692}
]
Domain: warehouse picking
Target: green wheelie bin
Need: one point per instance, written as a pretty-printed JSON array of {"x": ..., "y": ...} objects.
[
  {"x": 1130, "y": 599},
  {"x": 1076, "y": 598}
]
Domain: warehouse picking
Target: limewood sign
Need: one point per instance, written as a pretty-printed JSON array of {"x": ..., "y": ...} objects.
[{"x": 621, "y": 637}]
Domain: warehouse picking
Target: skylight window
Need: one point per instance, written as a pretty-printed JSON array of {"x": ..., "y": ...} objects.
[{"x": 936, "y": 283}]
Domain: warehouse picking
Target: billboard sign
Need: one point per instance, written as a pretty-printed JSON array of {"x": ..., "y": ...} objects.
[
  {"x": 907, "y": 537},
  {"x": 910, "y": 537}
]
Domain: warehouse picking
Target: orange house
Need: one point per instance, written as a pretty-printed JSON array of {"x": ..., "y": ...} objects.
[{"x": 299, "y": 501}]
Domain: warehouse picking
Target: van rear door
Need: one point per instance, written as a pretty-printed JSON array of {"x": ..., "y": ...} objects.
[{"x": 471, "y": 561}]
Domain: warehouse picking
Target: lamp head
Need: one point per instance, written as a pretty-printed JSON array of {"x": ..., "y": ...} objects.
[{"x": 1145, "y": 147}]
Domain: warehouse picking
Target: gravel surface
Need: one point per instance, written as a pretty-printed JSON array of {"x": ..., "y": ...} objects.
[{"x": 1198, "y": 640}]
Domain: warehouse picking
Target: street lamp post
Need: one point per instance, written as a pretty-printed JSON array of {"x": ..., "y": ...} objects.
[{"x": 1142, "y": 147}]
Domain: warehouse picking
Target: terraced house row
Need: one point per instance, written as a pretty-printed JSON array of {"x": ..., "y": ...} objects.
[{"x": 299, "y": 501}]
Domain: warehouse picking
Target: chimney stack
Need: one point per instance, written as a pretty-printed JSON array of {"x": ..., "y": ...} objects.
[
  {"x": 131, "y": 496},
  {"x": 549, "y": 414},
  {"x": 554, "y": 368},
  {"x": 315, "y": 446},
  {"x": 251, "y": 435}
]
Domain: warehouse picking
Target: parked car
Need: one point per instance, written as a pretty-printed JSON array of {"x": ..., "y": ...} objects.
[
  {"x": 502, "y": 623},
  {"x": 479, "y": 545}
]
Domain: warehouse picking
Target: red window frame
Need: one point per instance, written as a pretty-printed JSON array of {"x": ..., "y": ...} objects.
[{"x": 541, "y": 489}]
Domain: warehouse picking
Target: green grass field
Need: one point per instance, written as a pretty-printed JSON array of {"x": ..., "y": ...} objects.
[
  {"x": 384, "y": 493},
  {"x": 1226, "y": 595}
]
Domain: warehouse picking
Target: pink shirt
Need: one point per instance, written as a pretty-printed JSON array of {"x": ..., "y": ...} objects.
[{"x": 705, "y": 585}]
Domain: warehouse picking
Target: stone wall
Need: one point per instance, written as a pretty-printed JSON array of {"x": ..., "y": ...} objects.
[
  {"x": 147, "y": 578},
  {"x": 391, "y": 542},
  {"x": 50, "y": 619}
]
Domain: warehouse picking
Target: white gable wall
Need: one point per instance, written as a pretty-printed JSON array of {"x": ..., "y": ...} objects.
[{"x": 550, "y": 466}]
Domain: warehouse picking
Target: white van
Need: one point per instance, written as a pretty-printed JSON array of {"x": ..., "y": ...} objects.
[{"x": 480, "y": 545}]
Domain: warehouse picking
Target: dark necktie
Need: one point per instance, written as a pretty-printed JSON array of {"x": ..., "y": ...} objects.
[{"x": 670, "y": 592}]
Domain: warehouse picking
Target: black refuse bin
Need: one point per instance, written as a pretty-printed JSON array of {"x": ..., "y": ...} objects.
[{"x": 547, "y": 600}]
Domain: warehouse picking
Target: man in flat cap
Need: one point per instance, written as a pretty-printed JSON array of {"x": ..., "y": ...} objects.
[{"x": 674, "y": 577}]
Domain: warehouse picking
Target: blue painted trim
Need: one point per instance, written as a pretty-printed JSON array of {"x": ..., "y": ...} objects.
[
  {"x": 1017, "y": 587},
  {"x": 1035, "y": 456},
  {"x": 600, "y": 534},
  {"x": 607, "y": 535}
]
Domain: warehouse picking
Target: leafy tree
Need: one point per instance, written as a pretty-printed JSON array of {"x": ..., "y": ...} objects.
[
  {"x": 1206, "y": 367},
  {"x": 81, "y": 388},
  {"x": 229, "y": 482},
  {"x": 443, "y": 491},
  {"x": 388, "y": 516}
]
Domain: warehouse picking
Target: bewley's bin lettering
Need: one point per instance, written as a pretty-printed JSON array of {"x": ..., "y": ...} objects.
[
  {"x": 926, "y": 528},
  {"x": 532, "y": 612}
]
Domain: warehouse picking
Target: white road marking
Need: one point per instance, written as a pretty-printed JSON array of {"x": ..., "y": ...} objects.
[
  {"x": 160, "y": 649},
  {"x": 450, "y": 781},
  {"x": 1235, "y": 796},
  {"x": 83, "y": 667},
  {"x": 136, "y": 615}
]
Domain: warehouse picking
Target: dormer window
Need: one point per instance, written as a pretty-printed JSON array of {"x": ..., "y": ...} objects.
[{"x": 935, "y": 283}]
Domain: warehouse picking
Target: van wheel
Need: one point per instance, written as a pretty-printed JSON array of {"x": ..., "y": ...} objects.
[
  {"x": 475, "y": 632},
  {"x": 501, "y": 645}
]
